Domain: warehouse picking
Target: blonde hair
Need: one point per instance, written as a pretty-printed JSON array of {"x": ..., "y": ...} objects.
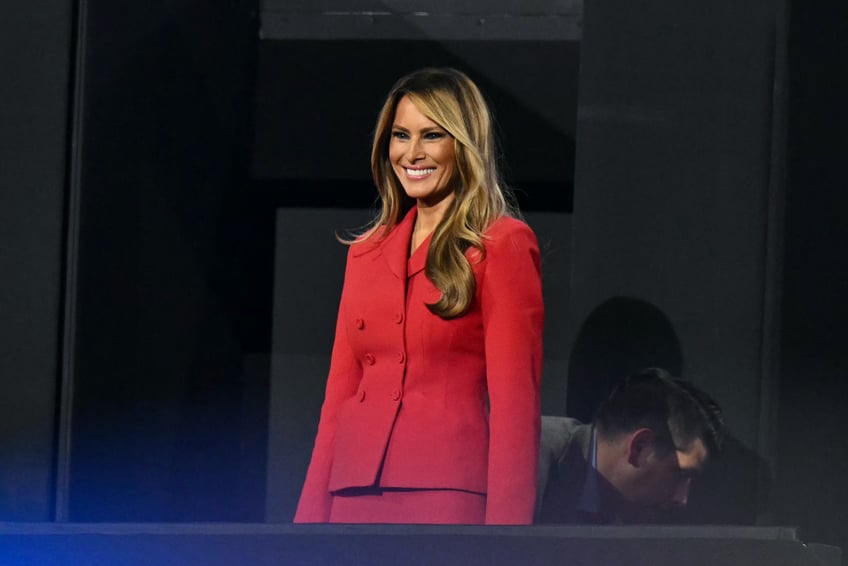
[{"x": 450, "y": 99}]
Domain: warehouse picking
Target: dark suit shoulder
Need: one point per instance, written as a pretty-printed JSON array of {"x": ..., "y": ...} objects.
[{"x": 557, "y": 432}]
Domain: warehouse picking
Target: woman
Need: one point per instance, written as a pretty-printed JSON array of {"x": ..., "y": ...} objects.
[{"x": 431, "y": 412}]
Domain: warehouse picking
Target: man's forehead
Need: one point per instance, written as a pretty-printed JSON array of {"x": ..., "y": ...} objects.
[{"x": 694, "y": 456}]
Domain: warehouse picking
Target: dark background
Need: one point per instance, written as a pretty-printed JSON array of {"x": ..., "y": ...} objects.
[{"x": 163, "y": 164}]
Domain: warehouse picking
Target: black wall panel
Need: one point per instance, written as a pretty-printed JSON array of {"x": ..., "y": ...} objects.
[
  {"x": 674, "y": 206},
  {"x": 172, "y": 302},
  {"x": 35, "y": 70},
  {"x": 812, "y": 452},
  {"x": 438, "y": 21}
]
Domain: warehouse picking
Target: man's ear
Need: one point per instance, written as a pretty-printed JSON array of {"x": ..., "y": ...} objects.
[{"x": 640, "y": 444}]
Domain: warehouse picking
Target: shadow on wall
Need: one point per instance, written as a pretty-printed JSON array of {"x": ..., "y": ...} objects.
[
  {"x": 625, "y": 334},
  {"x": 620, "y": 336}
]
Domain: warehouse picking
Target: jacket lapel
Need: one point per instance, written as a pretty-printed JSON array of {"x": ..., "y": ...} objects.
[
  {"x": 396, "y": 245},
  {"x": 418, "y": 259}
]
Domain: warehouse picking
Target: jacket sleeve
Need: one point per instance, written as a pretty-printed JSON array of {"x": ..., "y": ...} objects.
[
  {"x": 513, "y": 313},
  {"x": 342, "y": 382}
]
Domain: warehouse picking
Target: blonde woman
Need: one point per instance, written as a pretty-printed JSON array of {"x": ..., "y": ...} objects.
[{"x": 431, "y": 412}]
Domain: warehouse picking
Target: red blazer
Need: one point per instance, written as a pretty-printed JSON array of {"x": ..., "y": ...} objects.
[{"x": 416, "y": 401}]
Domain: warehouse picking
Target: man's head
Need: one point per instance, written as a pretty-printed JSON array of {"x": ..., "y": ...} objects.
[{"x": 655, "y": 434}]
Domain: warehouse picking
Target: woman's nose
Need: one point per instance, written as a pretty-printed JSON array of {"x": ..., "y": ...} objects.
[{"x": 415, "y": 150}]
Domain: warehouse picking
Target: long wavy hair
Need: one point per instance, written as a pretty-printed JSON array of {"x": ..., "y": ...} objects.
[{"x": 450, "y": 99}]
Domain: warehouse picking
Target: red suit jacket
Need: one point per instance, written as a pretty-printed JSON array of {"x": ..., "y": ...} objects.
[{"x": 416, "y": 401}]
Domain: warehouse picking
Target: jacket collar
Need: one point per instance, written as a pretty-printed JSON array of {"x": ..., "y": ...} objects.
[
  {"x": 418, "y": 258},
  {"x": 396, "y": 245},
  {"x": 587, "y": 481}
]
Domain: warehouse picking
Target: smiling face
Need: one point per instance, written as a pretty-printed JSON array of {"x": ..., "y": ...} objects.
[{"x": 423, "y": 156}]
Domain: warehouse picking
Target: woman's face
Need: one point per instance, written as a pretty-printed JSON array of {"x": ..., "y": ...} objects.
[{"x": 423, "y": 156}]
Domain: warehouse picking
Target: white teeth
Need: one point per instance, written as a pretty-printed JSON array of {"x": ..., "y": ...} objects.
[{"x": 419, "y": 172}]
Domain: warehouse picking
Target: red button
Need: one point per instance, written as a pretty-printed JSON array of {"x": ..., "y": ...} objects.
[
  {"x": 361, "y": 396},
  {"x": 370, "y": 359},
  {"x": 400, "y": 357},
  {"x": 398, "y": 317},
  {"x": 395, "y": 394},
  {"x": 359, "y": 323}
]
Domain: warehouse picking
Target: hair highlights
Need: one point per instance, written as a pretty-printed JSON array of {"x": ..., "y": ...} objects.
[{"x": 449, "y": 98}]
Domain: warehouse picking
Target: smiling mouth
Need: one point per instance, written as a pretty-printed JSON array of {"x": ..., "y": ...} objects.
[{"x": 419, "y": 172}]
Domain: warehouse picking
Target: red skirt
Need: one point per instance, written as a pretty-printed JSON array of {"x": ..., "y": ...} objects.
[{"x": 415, "y": 506}]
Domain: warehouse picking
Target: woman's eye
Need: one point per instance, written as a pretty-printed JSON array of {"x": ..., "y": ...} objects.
[
  {"x": 434, "y": 135},
  {"x": 400, "y": 135}
]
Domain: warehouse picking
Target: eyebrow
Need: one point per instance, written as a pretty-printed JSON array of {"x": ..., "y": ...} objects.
[{"x": 436, "y": 128}]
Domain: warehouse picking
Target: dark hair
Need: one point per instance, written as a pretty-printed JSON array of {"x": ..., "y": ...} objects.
[{"x": 675, "y": 410}]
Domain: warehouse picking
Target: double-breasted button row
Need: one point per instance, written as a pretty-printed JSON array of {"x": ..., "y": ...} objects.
[
  {"x": 370, "y": 359},
  {"x": 395, "y": 394},
  {"x": 359, "y": 323}
]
